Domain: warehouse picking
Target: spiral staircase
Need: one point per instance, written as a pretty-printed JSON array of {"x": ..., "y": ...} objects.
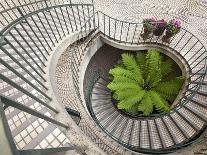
[{"x": 53, "y": 103}]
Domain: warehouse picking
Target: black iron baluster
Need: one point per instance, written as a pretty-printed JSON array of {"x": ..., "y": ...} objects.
[
  {"x": 142, "y": 30},
  {"x": 84, "y": 18},
  {"x": 51, "y": 16},
  {"x": 30, "y": 46},
  {"x": 179, "y": 40},
  {"x": 59, "y": 21},
  {"x": 186, "y": 42},
  {"x": 79, "y": 16},
  {"x": 198, "y": 62},
  {"x": 191, "y": 48},
  {"x": 193, "y": 56},
  {"x": 3, "y": 15},
  {"x": 74, "y": 18},
  {"x": 140, "y": 129},
  {"x": 7, "y": 11},
  {"x": 115, "y": 29},
  {"x": 109, "y": 27},
  {"x": 121, "y": 30},
  {"x": 24, "y": 79},
  {"x": 22, "y": 8},
  {"x": 44, "y": 28},
  {"x": 42, "y": 33},
  {"x": 37, "y": 36},
  {"x": 134, "y": 34},
  {"x": 127, "y": 33},
  {"x": 26, "y": 70},
  {"x": 69, "y": 19},
  {"x": 25, "y": 30},
  {"x": 19, "y": 53},
  {"x": 88, "y": 16},
  {"x": 64, "y": 19},
  {"x": 49, "y": 25},
  {"x": 104, "y": 26}
]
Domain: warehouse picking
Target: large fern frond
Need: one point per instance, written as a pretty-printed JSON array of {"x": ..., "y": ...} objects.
[
  {"x": 122, "y": 94},
  {"x": 153, "y": 61},
  {"x": 141, "y": 60},
  {"x": 130, "y": 101},
  {"x": 130, "y": 63},
  {"x": 170, "y": 89},
  {"x": 123, "y": 79},
  {"x": 160, "y": 104},
  {"x": 122, "y": 86},
  {"x": 166, "y": 67},
  {"x": 119, "y": 71},
  {"x": 146, "y": 105}
]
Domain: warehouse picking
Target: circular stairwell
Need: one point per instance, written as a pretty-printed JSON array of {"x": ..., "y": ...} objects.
[
  {"x": 35, "y": 38},
  {"x": 158, "y": 133}
]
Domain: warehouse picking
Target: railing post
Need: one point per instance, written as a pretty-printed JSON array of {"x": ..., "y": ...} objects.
[
  {"x": 21, "y": 13},
  {"x": 2, "y": 40},
  {"x": 46, "y": 5}
]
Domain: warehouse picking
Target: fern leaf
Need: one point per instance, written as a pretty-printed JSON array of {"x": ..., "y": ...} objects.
[
  {"x": 122, "y": 86},
  {"x": 146, "y": 105},
  {"x": 160, "y": 104},
  {"x": 122, "y": 79},
  {"x": 119, "y": 71},
  {"x": 130, "y": 63},
  {"x": 166, "y": 67},
  {"x": 169, "y": 89},
  {"x": 153, "y": 61},
  {"x": 141, "y": 60},
  {"x": 129, "y": 102},
  {"x": 126, "y": 93}
]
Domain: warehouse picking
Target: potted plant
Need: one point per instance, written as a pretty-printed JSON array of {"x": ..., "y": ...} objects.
[
  {"x": 159, "y": 27},
  {"x": 172, "y": 28},
  {"x": 148, "y": 25}
]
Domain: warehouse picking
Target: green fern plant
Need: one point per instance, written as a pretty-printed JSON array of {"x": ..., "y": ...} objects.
[{"x": 139, "y": 83}]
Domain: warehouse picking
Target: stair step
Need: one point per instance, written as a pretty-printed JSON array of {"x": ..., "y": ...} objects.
[
  {"x": 175, "y": 132},
  {"x": 164, "y": 134},
  {"x": 135, "y": 138},
  {"x": 183, "y": 124},
  {"x": 144, "y": 135},
  {"x": 154, "y": 135}
]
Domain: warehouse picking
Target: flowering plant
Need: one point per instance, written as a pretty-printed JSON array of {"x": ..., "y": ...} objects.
[
  {"x": 159, "y": 27},
  {"x": 149, "y": 24},
  {"x": 160, "y": 24},
  {"x": 173, "y": 26}
]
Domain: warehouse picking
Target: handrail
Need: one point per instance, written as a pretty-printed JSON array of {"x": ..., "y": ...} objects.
[
  {"x": 6, "y": 29},
  {"x": 26, "y": 6}
]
